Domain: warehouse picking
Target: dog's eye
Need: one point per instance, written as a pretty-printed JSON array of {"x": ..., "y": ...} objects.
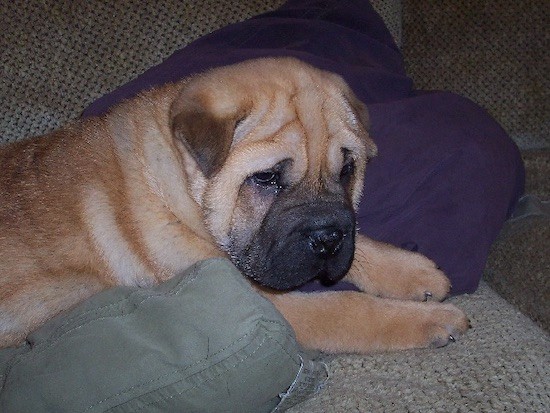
[
  {"x": 271, "y": 181},
  {"x": 266, "y": 178},
  {"x": 347, "y": 171}
]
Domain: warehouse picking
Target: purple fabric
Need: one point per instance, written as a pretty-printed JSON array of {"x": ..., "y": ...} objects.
[{"x": 446, "y": 177}]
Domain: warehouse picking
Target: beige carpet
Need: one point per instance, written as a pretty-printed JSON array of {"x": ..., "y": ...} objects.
[{"x": 56, "y": 56}]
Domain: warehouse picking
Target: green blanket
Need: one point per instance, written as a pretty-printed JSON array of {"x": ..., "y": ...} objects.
[{"x": 202, "y": 342}]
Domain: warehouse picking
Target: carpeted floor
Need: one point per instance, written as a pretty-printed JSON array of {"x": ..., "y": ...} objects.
[{"x": 58, "y": 56}]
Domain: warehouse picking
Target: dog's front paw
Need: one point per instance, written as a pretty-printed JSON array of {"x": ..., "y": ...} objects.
[
  {"x": 400, "y": 325},
  {"x": 445, "y": 324},
  {"x": 427, "y": 325},
  {"x": 419, "y": 278},
  {"x": 387, "y": 271}
]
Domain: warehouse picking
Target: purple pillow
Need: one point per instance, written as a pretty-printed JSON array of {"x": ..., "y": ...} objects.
[{"x": 447, "y": 175}]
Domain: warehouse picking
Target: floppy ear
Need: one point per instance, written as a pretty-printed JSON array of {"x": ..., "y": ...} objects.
[
  {"x": 361, "y": 114},
  {"x": 363, "y": 117},
  {"x": 206, "y": 134},
  {"x": 207, "y": 138}
]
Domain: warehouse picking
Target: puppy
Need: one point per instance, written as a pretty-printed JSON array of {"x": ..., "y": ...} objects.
[{"x": 261, "y": 162}]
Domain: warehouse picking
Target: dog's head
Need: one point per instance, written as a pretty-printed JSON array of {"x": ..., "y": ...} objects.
[{"x": 278, "y": 150}]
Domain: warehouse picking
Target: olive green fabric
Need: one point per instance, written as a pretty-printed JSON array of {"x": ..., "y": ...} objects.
[{"x": 202, "y": 342}]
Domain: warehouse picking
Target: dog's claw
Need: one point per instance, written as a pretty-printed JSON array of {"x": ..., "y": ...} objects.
[{"x": 427, "y": 295}]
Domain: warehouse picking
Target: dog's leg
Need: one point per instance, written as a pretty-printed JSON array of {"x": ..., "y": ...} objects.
[
  {"x": 387, "y": 271},
  {"x": 359, "y": 323}
]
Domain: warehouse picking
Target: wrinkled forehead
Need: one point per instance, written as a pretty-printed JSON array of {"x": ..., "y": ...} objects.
[
  {"x": 318, "y": 109},
  {"x": 287, "y": 76},
  {"x": 282, "y": 98},
  {"x": 318, "y": 102}
]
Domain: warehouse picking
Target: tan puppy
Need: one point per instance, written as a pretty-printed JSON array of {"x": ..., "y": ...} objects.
[{"x": 261, "y": 161}]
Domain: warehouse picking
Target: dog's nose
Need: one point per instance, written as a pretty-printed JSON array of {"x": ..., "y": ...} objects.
[{"x": 325, "y": 242}]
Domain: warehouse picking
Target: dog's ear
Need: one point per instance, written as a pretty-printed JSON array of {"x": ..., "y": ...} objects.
[
  {"x": 362, "y": 114},
  {"x": 205, "y": 129}
]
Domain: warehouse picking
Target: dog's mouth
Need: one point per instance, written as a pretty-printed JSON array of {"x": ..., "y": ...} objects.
[
  {"x": 319, "y": 247},
  {"x": 328, "y": 279},
  {"x": 288, "y": 276}
]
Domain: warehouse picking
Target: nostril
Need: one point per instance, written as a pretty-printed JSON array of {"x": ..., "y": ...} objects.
[
  {"x": 333, "y": 240},
  {"x": 326, "y": 241}
]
